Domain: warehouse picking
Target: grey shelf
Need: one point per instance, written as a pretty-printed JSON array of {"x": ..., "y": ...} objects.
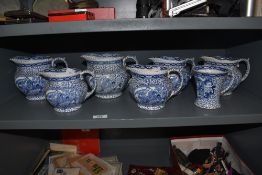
[
  {"x": 174, "y": 33},
  {"x": 241, "y": 108},
  {"x": 123, "y": 25}
]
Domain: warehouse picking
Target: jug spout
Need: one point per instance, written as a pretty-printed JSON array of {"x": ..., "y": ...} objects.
[{"x": 17, "y": 59}]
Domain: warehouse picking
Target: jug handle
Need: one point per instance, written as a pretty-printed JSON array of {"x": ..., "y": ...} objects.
[
  {"x": 88, "y": 94},
  {"x": 129, "y": 57},
  {"x": 169, "y": 75},
  {"x": 231, "y": 82},
  {"x": 61, "y": 59},
  {"x": 191, "y": 61},
  {"x": 246, "y": 61}
]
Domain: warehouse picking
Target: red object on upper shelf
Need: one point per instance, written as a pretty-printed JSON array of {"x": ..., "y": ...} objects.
[
  {"x": 69, "y": 15},
  {"x": 103, "y": 13},
  {"x": 81, "y": 14}
]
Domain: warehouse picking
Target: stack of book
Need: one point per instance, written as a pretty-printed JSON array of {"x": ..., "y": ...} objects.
[{"x": 65, "y": 160}]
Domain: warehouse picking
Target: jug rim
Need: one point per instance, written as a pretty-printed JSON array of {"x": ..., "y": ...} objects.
[
  {"x": 27, "y": 60},
  {"x": 209, "y": 70},
  {"x": 102, "y": 57},
  {"x": 147, "y": 69},
  {"x": 221, "y": 59},
  {"x": 168, "y": 59},
  {"x": 60, "y": 73}
]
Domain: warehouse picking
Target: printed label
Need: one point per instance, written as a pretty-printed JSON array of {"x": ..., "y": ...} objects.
[
  {"x": 80, "y": 10},
  {"x": 100, "y": 116}
]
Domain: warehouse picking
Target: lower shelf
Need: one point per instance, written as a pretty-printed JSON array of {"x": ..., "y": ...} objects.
[
  {"x": 240, "y": 108},
  {"x": 148, "y": 147}
]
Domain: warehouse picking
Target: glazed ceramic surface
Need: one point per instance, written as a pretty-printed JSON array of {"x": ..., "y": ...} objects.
[
  {"x": 209, "y": 85},
  {"x": 231, "y": 64},
  {"x": 67, "y": 89},
  {"x": 177, "y": 63},
  {"x": 151, "y": 86},
  {"x": 110, "y": 73},
  {"x": 27, "y": 77}
]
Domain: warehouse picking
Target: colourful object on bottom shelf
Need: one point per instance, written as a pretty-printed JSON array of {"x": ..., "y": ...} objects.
[
  {"x": 86, "y": 141},
  {"x": 222, "y": 155}
]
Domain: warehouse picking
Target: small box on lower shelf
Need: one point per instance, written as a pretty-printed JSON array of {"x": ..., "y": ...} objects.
[{"x": 206, "y": 154}]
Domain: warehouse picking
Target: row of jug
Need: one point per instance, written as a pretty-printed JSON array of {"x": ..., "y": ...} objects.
[
  {"x": 107, "y": 77},
  {"x": 38, "y": 78}
]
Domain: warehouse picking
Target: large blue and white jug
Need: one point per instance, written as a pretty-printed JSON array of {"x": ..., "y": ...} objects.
[
  {"x": 177, "y": 63},
  {"x": 231, "y": 64},
  {"x": 110, "y": 73},
  {"x": 67, "y": 90},
  {"x": 151, "y": 85},
  {"x": 27, "y": 78},
  {"x": 209, "y": 85}
]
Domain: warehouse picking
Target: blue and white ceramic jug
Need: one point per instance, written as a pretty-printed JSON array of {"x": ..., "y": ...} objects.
[
  {"x": 231, "y": 64},
  {"x": 209, "y": 85},
  {"x": 27, "y": 78},
  {"x": 176, "y": 63},
  {"x": 110, "y": 73},
  {"x": 151, "y": 85},
  {"x": 67, "y": 89}
]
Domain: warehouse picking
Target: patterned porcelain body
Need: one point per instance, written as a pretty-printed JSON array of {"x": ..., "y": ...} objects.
[
  {"x": 151, "y": 86},
  {"x": 230, "y": 64},
  {"x": 27, "y": 77},
  {"x": 176, "y": 63},
  {"x": 110, "y": 73},
  {"x": 66, "y": 90},
  {"x": 209, "y": 85}
]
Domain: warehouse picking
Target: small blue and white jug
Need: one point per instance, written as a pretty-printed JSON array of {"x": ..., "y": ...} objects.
[
  {"x": 209, "y": 85},
  {"x": 110, "y": 73},
  {"x": 67, "y": 89},
  {"x": 231, "y": 64},
  {"x": 27, "y": 78},
  {"x": 176, "y": 63},
  {"x": 151, "y": 85}
]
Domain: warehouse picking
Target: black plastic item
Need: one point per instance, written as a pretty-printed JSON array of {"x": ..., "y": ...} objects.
[
  {"x": 148, "y": 8},
  {"x": 79, "y": 4},
  {"x": 199, "y": 11},
  {"x": 198, "y": 156},
  {"x": 25, "y": 16},
  {"x": 225, "y": 8},
  {"x": 142, "y": 8},
  {"x": 155, "y": 9},
  {"x": 222, "y": 8},
  {"x": 19, "y": 154}
]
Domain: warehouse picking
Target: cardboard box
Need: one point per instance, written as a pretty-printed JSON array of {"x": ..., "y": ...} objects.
[{"x": 187, "y": 144}]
